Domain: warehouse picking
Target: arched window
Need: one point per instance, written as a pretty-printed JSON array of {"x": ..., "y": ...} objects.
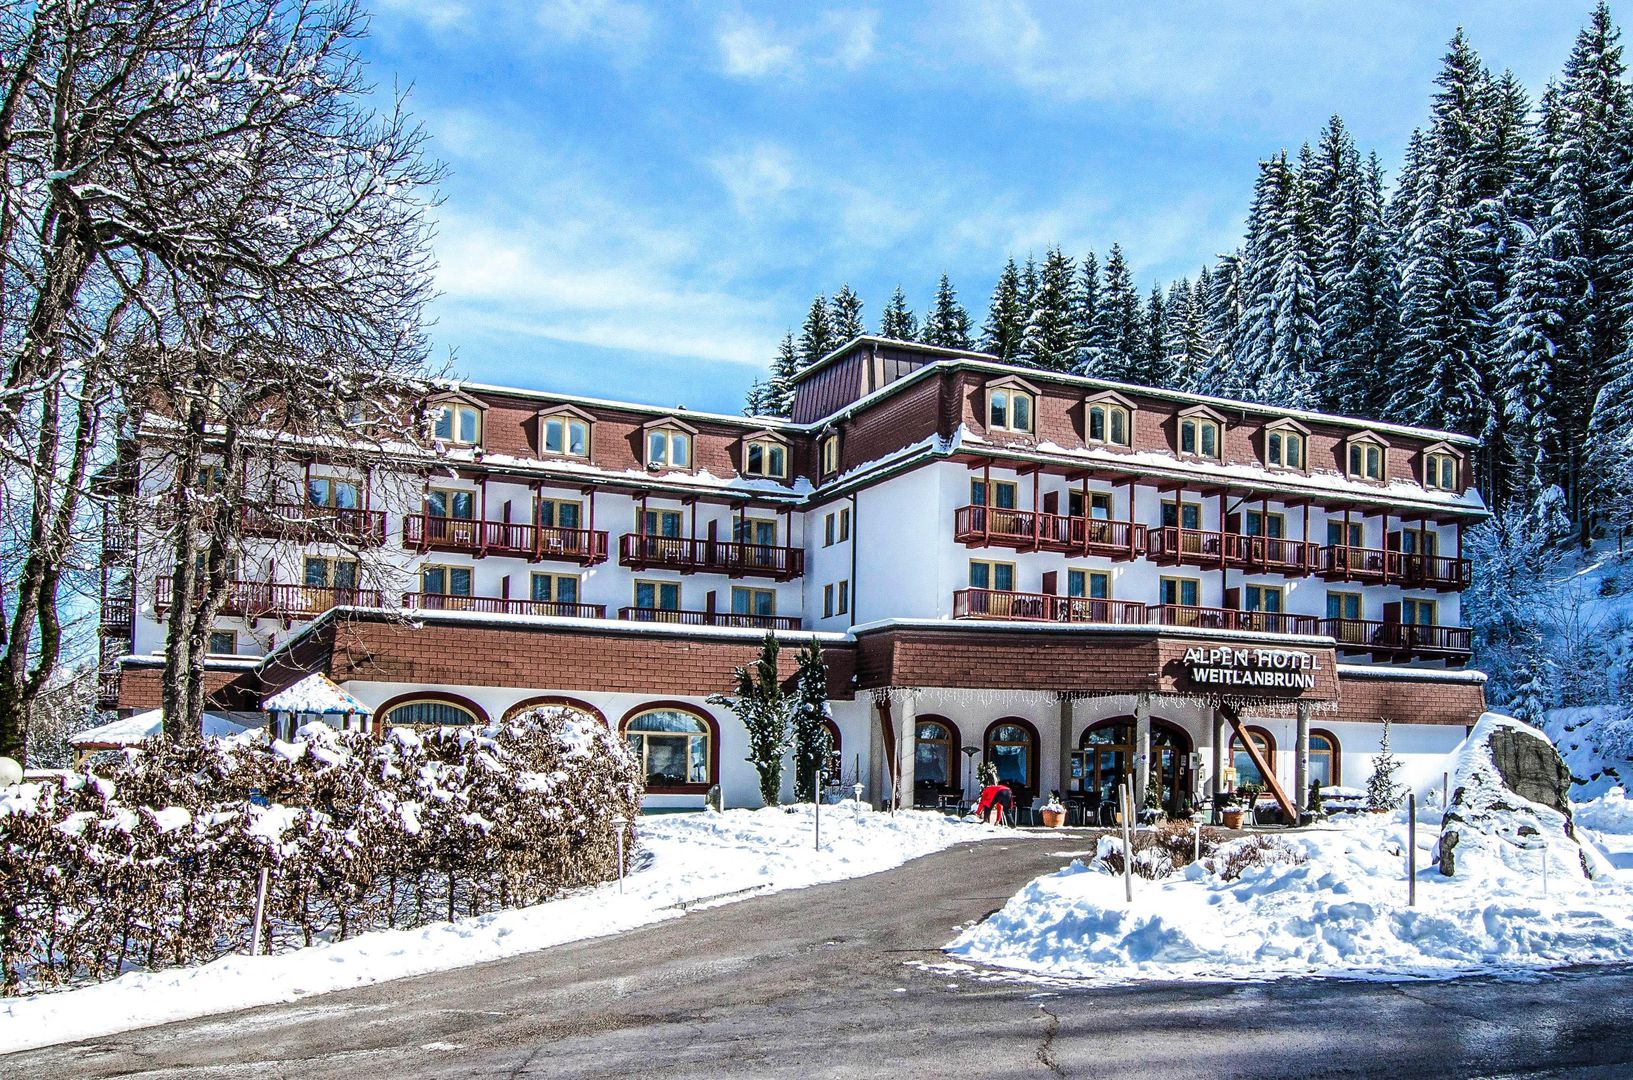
[
  {"x": 1242, "y": 762},
  {"x": 1199, "y": 436},
  {"x": 1324, "y": 763},
  {"x": 1012, "y": 745},
  {"x": 935, "y": 759},
  {"x": 565, "y": 704},
  {"x": 836, "y": 757},
  {"x": 1109, "y": 423},
  {"x": 430, "y": 712},
  {"x": 676, "y": 748}
]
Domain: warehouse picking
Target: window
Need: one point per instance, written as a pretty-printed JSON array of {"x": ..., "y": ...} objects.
[
  {"x": 844, "y": 524},
  {"x": 322, "y": 572},
  {"x": 1091, "y": 584},
  {"x": 458, "y": 424},
  {"x": 760, "y": 532},
  {"x": 1285, "y": 449},
  {"x": 560, "y": 514},
  {"x": 430, "y": 714},
  {"x": 935, "y": 758},
  {"x": 829, "y": 530},
  {"x": 1366, "y": 461},
  {"x": 1010, "y": 747},
  {"x": 1344, "y": 605},
  {"x": 224, "y": 642},
  {"x": 657, "y": 595},
  {"x": 458, "y": 505},
  {"x": 1418, "y": 612},
  {"x": 658, "y": 522},
  {"x": 333, "y": 494},
  {"x": 830, "y": 454},
  {"x": 756, "y": 602},
  {"x": 445, "y": 580},
  {"x": 668, "y": 448},
  {"x": 1184, "y": 515},
  {"x": 1246, "y": 771},
  {"x": 836, "y": 528},
  {"x": 1010, "y": 409},
  {"x": 556, "y": 588},
  {"x": 211, "y": 478},
  {"x": 765, "y": 457},
  {"x": 1199, "y": 437},
  {"x": 1420, "y": 542},
  {"x": 836, "y": 599},
  {"x": 1180, "y": 592},
  {"x": 1109, "y": 423},
  {"x": 1324, "y": 759},
  {"x": 992, "y": 575},
  {"x": 998, "y": 494},
  {"x": 1099, "y": 505},
  {"x": 673, "y": 747},
  {"x": 1335, "y": 534},
  {"x": 1258, "y": 523},
  {"x": 564, "y": 435},
  {"x": 1440, "y": 471},
  {"x": 1266, "y": 598}
]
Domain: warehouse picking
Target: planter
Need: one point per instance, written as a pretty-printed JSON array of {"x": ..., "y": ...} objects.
[
  {"x": 1054, "y": 819},
  {"x": 1232, "y": 818}
]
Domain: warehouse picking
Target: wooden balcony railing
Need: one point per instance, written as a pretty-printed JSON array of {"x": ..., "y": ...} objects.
[
  {"x": 1045, "y": 607},
  {"x": 709, "y": 618},
  {"x": 1437, "y": 571},
  {"x": 107, "y": 689},
  {"x": 1205, "y": 547},
  {"x": 261, "y": 599},
  {"x": 118, "y": 543},
  {"x": 980, "y": 526},
  {"x": 520, "y": 539},
  {"x": 1403, "y": 640},
  {"x": 299, "y": 521},
  {"x": 640, "y": 551},
  {"x": 497, "y": 605},
  {"x": 1210, "y": 618},
  {"x": 118, "y": 613}
]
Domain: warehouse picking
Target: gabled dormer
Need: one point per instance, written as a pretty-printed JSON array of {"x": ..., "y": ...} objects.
[
  {"x": 1286, "y": 445},
  {"x": 456, "y": 418},
  {"x": 1444, "y": 467},
  {"x": 669, "y": 445},
  {"x": 1108, "y": 420},
  {"x": 1200, "y": 433},
  {"x": 564, "y": 431},
  {"x": 766, "y": 456},
  {"x": 1366, "y": 457},
  {"x": 1011, "y": 407}
]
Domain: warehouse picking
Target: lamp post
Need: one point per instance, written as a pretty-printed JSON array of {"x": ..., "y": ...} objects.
[{"x": 969, "y": 759}]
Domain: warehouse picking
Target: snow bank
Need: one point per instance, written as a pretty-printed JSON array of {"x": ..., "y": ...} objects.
[{"x": 694, "y": 860}]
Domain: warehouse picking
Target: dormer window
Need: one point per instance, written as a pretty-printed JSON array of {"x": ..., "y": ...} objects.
[
  {"x": 564, "y": 432},
  {"x": 1441, "y": 468},
  {"x": 1110, "y": 420},
  {"x": 830, "y": 453},
  {"x": 1285, "y": 445},
  {"x": 765, "y": 454},
  {"x": 1200, "y": 433},
  {"x": 1365, "y": 457},
  {"x": 456, "y": 423},
  {"x": 669, "y": 445},
  {"x": 1011, "y": 406}
]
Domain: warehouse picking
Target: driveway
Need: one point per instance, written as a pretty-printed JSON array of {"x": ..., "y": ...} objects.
[{"x": 847, "y": 980}]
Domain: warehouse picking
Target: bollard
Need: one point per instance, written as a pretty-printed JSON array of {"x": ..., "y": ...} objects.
[
  {"x": 1412, "y": 851},
  {"x": 260, "y": 913},
  {"x": 816, "y": 810},
  {"x": 1545, "y": 866},
  {"x": 618, "y": 824},
  {"x": 1127, "y": 799},
  {"x": 1196, "y": 841}
]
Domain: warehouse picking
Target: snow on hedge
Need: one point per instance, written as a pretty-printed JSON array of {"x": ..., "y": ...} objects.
[{"x": 687, "y": 861}]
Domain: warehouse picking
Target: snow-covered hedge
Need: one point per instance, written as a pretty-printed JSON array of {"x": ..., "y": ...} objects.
[{"x": 153, "y": 861}]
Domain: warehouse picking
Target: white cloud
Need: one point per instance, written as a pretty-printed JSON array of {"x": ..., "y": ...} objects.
[
  {"x": 755, "y": 175},
  {"x": 614, "y": 25},
  {"x": 753, "y": 48},
  {"x": 750, "y": 50}
]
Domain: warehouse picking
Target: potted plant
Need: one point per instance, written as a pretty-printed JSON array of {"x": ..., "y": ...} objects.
[
  {"x": 1250, "y": 801},
  {"x": 1054, "y": 812},
  {"x": 1230, "y": 810}
]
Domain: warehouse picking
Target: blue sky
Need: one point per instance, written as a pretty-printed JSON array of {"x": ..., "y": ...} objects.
[{"x": 642, "y": 198}]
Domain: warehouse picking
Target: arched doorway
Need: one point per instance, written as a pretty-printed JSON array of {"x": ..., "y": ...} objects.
[
  {"x": 1108, "y": 749},
  {"x": 1011, "y": 744}
]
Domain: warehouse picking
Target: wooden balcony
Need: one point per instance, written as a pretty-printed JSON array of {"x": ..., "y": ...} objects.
[
  {"x": 107, "y": 689},
  {"x": 266, "y": 600},
  {"x": 641, "y": 552},
  {"x": 118, "y": 613},
  {"x": 497, "y": 605},
  {"x": 1401, "y": 641},
  {"x": 1202, "y": 547},
  {"x": 1025, "y": 530},
  {"x": 118, "y": 543},
  {"x": 709, "y": 618},
  {"x": 1210, "y": 618},
  {"x": 299, "y": 521},
  {"x": 1384, "y": 567},
  {"x": 1045, "y": 607},
  {"x": 519, "y": 540}
]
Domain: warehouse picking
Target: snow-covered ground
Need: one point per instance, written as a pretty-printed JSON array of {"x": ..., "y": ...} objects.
[
  {"x": 1342, "y": 912},
  {"x": 688, "y": 861}
]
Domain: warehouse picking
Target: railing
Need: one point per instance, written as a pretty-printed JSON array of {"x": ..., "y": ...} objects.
[
  {"x": 1045, "y": 607},
  {"x": 1206, "y": 547},
  {"x": 107, "y": 689},
  {"x": 118, "y": 542},
  {"x": 1379, "y": 564},
  {"x": 518, "y": 539},
  {"x": 260, "y": 599},
  {"x": 1210, "y": 618},
  {"x": 1048, "y": 532},
  {"x": 497, "y": 605},
  {"x": 118, "y": 613},
  {"x": 1435, "y": 571},
  {"x": 709, "y": 618},
  {"x": 1406, "y": 639},
  {"x": 306, "y": 521},
  {"x": 426, "y": 531},
  {"x": 639, "y": 551}
]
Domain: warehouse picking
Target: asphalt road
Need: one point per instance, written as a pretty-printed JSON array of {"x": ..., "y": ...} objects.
[{"x": 846, "y": 980}]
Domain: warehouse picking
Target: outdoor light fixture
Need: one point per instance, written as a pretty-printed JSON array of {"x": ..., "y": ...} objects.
[{"x": 969, "y": 757}]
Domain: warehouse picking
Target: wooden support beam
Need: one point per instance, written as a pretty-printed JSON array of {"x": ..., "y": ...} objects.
[{"x": 1234, "y": 718}]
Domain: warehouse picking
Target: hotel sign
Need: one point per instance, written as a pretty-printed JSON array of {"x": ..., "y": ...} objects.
[{"x": 1246, "y": 670}]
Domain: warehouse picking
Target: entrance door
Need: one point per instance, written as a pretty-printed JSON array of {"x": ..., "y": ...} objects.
[{"x": 1109, "y": 749}]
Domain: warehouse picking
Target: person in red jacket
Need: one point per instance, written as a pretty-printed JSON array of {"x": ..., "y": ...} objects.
[{"x": 999, "y": 799}]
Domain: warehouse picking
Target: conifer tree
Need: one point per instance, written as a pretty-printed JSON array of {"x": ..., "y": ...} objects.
[
  {"x": 1383, "y": 793},
  {"x": 1006, "y": 319},
  {"x": 949, "y": 324},
  {"x": 1121, "y": 323},
  {"x": 1154, "y": 355},
  {"x": 817, "y": 337},
  {"x": 778, "y": 395},
  {"x": 1185, "y": 353},
  {"x": 898, "y": 320},
  {"x": 1089, "y": 345},
  {"x": 754, "y": 400},
  {"x": 809, "y": 708},
  {"x": 845, "y": 316},
  {"x": 1049, "y": 339}
]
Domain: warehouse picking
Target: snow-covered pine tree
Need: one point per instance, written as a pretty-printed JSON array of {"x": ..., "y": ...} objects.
[
  {"x": 1294, "y": 363},
  {"x": 1006, "y": 318},
  {"x": 1121, "y": 323},
  {"x": 778, "y": 395},
  {"x": 809, "y": 708},
  {"x": 845, "y": 316},
  {"x": 754, "y": 400},
  {"x": 1383, "y": 793},
  {"x": 817, "y": 337},
  {"x": 1089, "y": 346},
  {"x": 1278, "y": 344},
  {"x": 898, "y": 320},
  {"x": 1360, "y": 319},
  {"x": 763, "y": 709},
  {"x": 948, "y": 326},
  {"x": 1184, "y": 348},
  {"x": 1223, "y": 321},
  {"x": 1049, "y": 339},
  {"x": 1534, "y": 319},
  {"x": 1154, "y": 355}
]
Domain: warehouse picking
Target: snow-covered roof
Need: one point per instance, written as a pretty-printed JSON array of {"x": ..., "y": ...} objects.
[
  {"x": 133, "y": 729},
  {"x": 318, "y": 695}
]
